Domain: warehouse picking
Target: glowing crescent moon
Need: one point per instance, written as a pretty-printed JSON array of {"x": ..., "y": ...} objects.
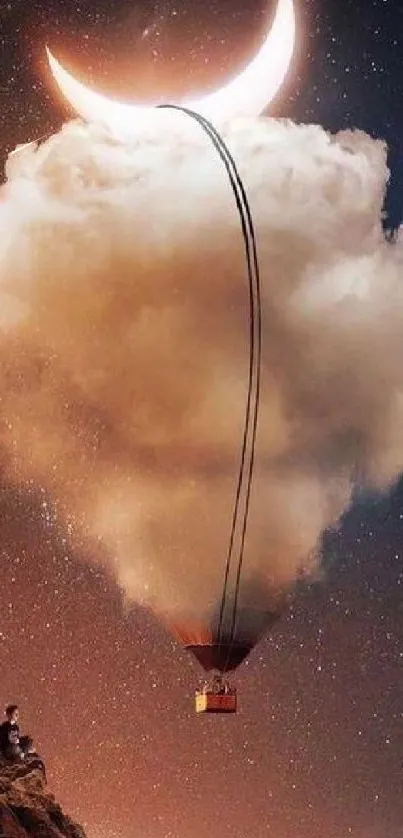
[{"x": 248, "y": 94}]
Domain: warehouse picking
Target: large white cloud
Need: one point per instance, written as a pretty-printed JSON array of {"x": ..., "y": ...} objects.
[{"x": 124, "y": 344}]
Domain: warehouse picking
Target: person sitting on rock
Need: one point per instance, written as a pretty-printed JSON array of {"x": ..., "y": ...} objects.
[{"x": 10, "y": 747}]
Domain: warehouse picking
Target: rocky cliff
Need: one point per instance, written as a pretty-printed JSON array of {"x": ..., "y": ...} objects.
[{"x": 26, "y": 806}]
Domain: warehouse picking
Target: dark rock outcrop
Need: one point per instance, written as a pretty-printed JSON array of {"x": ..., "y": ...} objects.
[{"x": 27, "y": 808}]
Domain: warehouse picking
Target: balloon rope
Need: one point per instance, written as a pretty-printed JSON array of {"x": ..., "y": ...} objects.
[{"x": 254, "y": 375}]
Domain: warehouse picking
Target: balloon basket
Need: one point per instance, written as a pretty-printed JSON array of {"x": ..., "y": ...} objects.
[{"x": 218, "y": 697}]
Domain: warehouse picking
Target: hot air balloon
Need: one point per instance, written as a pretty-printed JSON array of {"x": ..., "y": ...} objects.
[{"x": 222, "y": 642}]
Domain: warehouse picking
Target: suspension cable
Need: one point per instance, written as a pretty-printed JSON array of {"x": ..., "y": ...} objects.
[{"x": 254, "y": 375}]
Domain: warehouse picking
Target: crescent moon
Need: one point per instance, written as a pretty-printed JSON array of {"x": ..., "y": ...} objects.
[{"x": 248, "y": 94}]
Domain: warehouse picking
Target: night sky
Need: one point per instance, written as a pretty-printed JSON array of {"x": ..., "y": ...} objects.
[{"x": 316, "y": 748}]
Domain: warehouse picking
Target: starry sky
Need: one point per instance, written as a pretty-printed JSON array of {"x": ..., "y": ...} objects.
[{"x": 316, "y": 749}]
